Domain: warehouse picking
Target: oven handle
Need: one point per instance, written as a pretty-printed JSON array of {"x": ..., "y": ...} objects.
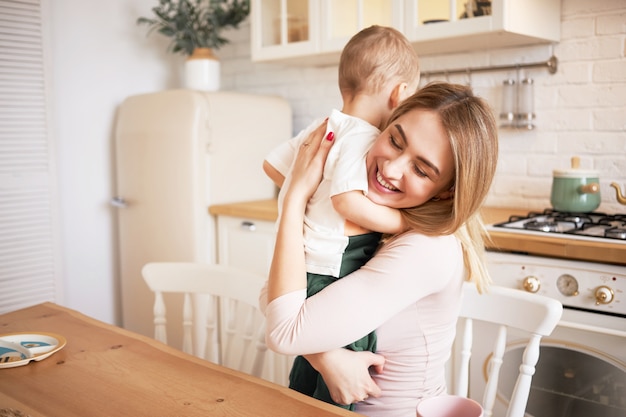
[{"x": 595, "y": 329}]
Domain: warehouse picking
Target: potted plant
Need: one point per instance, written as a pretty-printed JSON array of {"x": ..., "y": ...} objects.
[{"x": 195, "y": 27}]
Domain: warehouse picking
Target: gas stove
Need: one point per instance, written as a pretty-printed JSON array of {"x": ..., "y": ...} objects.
[
  {"x": 582, "y": 226},
  {"x": 560, "y": 255},
  {"x": 580, "y": 260}
]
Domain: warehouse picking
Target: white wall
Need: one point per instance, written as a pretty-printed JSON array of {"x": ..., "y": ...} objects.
[{"x": 100, "y": 57}]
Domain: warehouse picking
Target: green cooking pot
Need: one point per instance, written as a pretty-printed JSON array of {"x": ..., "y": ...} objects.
[{"x": 575, "y": 190}]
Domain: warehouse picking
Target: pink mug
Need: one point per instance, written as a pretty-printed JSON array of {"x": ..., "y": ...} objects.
[{"x": 448, "y": 406}]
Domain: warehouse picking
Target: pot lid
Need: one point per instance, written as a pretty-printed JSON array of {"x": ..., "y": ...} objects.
[{"x": 575, "y": 172}]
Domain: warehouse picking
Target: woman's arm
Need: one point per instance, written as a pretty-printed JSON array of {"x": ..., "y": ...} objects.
[
  {"x": 406, "y": 269},
  {"x": 288, "y": 270}
]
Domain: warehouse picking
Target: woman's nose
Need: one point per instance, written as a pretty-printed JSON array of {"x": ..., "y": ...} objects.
[{"x": 392, "y": 168}]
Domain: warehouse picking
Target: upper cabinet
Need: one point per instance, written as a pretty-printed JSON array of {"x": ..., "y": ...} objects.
[
  {"x": 284, "y": 29},
  {"x": 436, "y": 26},
  {"x": 315, "y": 31}
]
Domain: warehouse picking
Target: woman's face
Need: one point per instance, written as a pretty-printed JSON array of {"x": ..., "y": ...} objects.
[{"x": 410, "y": 162}]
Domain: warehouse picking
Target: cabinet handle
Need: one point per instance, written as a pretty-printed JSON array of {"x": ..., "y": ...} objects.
[{"x": 250, "y": 226}]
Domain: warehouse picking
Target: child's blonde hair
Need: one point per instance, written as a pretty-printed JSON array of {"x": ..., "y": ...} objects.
[
  {"x": 472, "y": 131},
  {"x": 374, "y": 57}
]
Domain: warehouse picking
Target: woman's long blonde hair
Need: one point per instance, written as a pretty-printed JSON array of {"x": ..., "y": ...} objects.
[{"x": 472, "y": 132}]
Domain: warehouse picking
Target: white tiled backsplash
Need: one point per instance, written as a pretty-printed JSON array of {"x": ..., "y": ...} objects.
[{"x": 581, "y": 110}]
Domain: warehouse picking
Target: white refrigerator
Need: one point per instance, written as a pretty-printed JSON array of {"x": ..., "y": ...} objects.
[{"x": 177, "y": 153}]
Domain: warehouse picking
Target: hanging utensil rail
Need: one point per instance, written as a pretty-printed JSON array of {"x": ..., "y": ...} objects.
[{"x": 551, "y": 64}]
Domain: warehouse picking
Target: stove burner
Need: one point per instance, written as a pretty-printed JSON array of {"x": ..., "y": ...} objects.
[
  {"x": 578, "y": 219},
  {"x": 542, "y": 226},
  {"x": 615, "y": 233},
  {"x": 595, "y": 225}
]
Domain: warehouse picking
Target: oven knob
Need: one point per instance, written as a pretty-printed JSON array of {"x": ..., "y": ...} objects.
[
  {"x": 604, "y": 295},
  {"x": 531, "y": 283}
]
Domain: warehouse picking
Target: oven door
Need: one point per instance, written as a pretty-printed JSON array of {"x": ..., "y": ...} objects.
[{"x": 579, "y": 374}]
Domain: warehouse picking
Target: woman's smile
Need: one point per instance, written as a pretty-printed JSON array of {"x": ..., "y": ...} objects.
[{"x": 382, "y": 182}]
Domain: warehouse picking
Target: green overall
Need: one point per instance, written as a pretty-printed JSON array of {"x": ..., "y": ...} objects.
[{"x": 303, "y": 377}]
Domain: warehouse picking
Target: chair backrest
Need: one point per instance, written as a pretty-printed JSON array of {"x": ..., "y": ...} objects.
[
  {"x": 221, "y": 321},
  {"x": 533, "y": 315}
]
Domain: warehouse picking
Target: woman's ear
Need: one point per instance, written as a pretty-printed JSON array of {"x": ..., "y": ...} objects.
[
  {"x": 397, "y": 95},
  {"x": 445, "y": 195}
]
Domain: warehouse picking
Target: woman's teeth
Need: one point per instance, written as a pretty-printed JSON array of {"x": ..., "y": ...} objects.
[{"x": 384, "y": 183}]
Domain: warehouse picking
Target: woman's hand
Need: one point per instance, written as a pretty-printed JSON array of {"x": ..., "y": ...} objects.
[
  {"x": 347, "y": 375},
  {"x": 308, "y": 166}
]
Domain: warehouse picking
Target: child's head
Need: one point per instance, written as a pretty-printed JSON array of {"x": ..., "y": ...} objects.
[{"x": 376, "y": 59}]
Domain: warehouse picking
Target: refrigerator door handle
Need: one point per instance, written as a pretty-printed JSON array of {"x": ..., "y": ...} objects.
[{"x": 119, "y": 202}]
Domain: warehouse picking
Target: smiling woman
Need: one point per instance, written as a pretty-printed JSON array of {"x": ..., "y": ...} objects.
[{"x": 427, "y": 161}]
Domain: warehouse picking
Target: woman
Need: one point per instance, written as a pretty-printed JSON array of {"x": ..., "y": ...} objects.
[{"x": 435, "y": 160}]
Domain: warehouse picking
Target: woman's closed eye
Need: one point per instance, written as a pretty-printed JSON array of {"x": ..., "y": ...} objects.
[
  {"x": 418, "y": 171},
  {"x": 394, "y": 142}
]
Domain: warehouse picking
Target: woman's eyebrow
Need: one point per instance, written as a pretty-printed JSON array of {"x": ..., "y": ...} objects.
[{"x": 419, "y": 158}]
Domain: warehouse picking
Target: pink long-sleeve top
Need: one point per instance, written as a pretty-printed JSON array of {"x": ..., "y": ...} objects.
[{"x": 409, "y": 293}]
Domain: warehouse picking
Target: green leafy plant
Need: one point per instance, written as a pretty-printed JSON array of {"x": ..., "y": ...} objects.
[{"x": 196, "y": 23}]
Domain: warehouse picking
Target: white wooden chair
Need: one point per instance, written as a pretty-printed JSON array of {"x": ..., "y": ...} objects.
[
  {"x": 221, "y": 321},
  {"x": 532, "y": 314}
]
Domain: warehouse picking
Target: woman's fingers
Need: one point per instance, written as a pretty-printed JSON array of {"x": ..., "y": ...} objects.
[
  {"x": 323, "y": 146},
  {"x": 347, "y": 374}
]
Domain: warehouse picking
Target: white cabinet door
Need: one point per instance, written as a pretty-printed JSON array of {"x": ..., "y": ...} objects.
[
  {"x": 342, "y": 19},
  {"x": 314, "y": 29},
  {"x": 283, "y": 29},
  {"x": 437, "y": 27},
  {"x": 246, "y": 243},
  {"x": 30, "y": 238},
  {"x": 313, "y": 32}
]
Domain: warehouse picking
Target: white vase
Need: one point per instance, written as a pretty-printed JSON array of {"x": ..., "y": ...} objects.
[{"x": 202, "y": 70}]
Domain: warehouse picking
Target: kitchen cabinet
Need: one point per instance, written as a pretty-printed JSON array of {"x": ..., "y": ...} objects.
[
  {"x": 315, "y": 31},
  {"x": 497, "y": 24},
  {"x": 246, "y": 243}
]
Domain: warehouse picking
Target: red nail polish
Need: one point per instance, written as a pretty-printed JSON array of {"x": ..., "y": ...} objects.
[{"x": 330, "y": 136}]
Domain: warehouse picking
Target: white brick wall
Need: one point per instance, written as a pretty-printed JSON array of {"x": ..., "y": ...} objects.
[{"x": 581, "y": 110}]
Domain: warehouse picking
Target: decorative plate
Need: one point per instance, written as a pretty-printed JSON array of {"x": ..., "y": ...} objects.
[{"x": 18, "y": 349}]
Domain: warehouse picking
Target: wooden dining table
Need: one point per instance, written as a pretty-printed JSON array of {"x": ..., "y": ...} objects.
[{"x": 107, "y": 371}]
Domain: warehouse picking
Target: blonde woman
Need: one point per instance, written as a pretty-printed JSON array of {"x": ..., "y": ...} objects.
[{"x": 435, "y": 160}]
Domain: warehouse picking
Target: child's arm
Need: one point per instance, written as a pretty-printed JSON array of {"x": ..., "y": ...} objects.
[
  {"x": 357, "y": 208},
  {"x": 273, "y": 174}
]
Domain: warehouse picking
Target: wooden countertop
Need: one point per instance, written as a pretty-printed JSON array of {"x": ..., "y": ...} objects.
[
  {"x": 256, "y": 210},
  {"x": 106, "y": 371},
  {"x": 550, "y": 245}
]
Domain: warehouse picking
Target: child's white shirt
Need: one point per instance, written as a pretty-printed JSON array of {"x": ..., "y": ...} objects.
[{"x": 345, "y": 170}]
